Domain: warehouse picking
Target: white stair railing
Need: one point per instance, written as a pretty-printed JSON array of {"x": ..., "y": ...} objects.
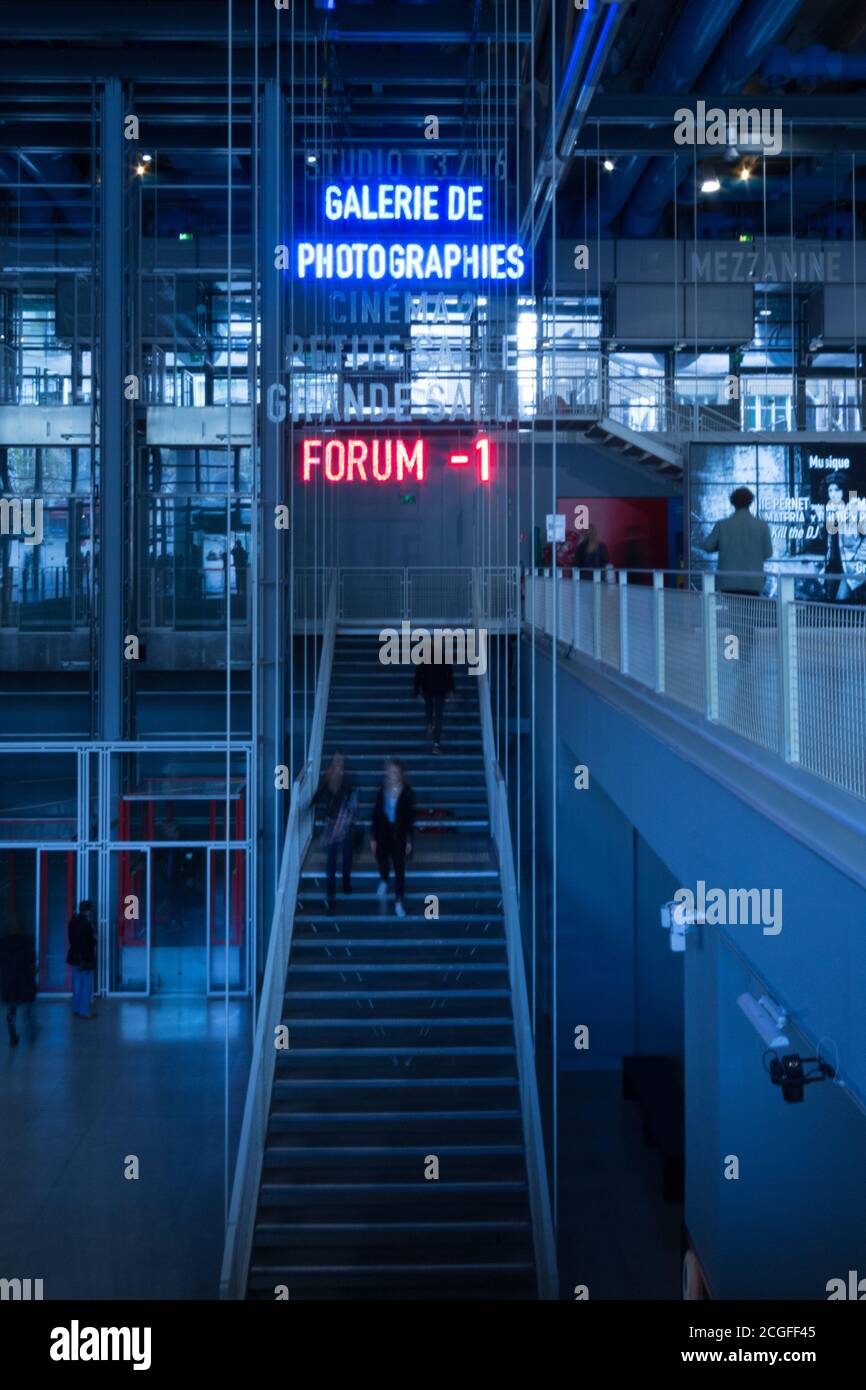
[
  {"x": 251, "y": 1148},
  {"x": 544, "y": 1241}
]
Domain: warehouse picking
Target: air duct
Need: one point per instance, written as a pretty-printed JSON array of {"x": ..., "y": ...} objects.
[
  {"x": 813, "y": 66},
  {"x": 690, "y": 46},
  {"x": 756, "y": 29}
]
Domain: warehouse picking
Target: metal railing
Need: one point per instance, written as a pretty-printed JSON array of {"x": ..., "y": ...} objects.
[
  {"x": 595, "y": 386},
  {"x": 52, "y": 597},
  {"x": 544, "y": 1241},
  {"x": 393, "y": 594},
  {"x": 788, "y": 675},
  {"x": 181, "y": 597},
  {"x": 251, "y": 1146}
]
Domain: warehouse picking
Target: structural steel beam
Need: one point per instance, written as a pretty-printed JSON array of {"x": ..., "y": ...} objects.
[{"x": 112, "y": 454}]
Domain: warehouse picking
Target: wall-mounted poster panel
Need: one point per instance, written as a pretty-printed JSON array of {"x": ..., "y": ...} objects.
[
  {"x": 813, "y": 497},
  {"x": 633, "y": 531}
]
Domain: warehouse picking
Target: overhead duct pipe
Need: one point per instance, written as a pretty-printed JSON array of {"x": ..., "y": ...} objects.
[
  {"x": 813, "y": 66},
  {"x": 755, "y": 31},
  {"x": 691, "y": 45},
  {"x": 590, "y": 48}
]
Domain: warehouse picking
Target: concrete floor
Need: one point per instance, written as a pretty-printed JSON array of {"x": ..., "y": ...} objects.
[{"x": 144, "y": 1079}]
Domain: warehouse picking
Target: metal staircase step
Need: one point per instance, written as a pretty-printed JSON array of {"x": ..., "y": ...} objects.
[
  {"x": 392, "y": 1162},
  {"x": 401, "y": 1036},
  {"x": 470, "y": 1281}
]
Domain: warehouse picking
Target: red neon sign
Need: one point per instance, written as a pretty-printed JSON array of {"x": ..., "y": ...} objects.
[{"x": 388, "y": 460}]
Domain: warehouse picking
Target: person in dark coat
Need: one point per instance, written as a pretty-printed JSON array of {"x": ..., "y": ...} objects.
[
  {"x": 338, "y": 800},
  {"x": 592, "y": 553},
  {"x": 392, "y": 829},
  {"x": 82, "y": 958},
  {"x": 436, "y": 682},
  {"x": 17, "y": 977}
]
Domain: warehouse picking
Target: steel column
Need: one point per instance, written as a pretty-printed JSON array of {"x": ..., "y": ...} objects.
[
  {"x": 112, "y": 461},
  {"x": 270, "y": 558}
]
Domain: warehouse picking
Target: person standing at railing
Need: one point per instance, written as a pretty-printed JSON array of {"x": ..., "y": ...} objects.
[
  {"x": 743, "y": 544},
  {"x": 592, "y": 553},
  {"x": 338, "y": 799},
  {"x": 392, "y": 829}
]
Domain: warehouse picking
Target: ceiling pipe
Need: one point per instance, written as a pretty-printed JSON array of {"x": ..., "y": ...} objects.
[
  {"x": 690, "y": 46},
  {"x": 754, "y": 32},
  {"x": 813, "y": 66},
  {"x": 589, "y": 51}
]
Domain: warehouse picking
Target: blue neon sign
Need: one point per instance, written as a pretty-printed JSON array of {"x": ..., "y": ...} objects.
[
  {"x": 424, "y": 204},
  {"x": 407, "y": 202}
]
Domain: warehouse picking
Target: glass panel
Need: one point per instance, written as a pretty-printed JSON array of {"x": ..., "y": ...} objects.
[
  {"x": 237, "y": 967},
  {"x": 56, "y": 906},
  {"x": 18, "y": 890},
  {"x": 127, "y": 922},
  {"x": 177, "y": 919}
]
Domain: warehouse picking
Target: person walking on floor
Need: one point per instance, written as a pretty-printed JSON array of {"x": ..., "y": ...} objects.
[
  {"x": 17, "y": 977},
  {"x": 82, "y": 957},
  {"x": 392, "y": 829},
  {"x": 436, "y": 682},
  {"x": 338, "y": 798},
  {"x": 743, "y": 543}
]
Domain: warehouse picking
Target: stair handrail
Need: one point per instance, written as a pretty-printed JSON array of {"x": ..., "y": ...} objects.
[
  {"x": 544, "y": 1240},
  {"x": 240, "y": 1228}
]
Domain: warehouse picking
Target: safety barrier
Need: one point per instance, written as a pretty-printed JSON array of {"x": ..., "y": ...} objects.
[
  {"x": 251, "y": 1147},
  {"x": 533, "y": 1138},
  {"x": 788, "y": 675}
]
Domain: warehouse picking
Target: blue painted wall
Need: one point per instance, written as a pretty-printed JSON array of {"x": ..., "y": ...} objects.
[{"x": 652, "y": 822}]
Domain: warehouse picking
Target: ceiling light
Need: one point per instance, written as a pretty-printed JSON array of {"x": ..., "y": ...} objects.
[
  {"x": 147, "y": 158},
  {"x": 765, "y": 312},
  {"x": 745, "y": 173},
  {"x": 710, "y": 185},
  {"x": 141, "y": 169},
  {"x": 311, "y": 159},
  {"x": 609, "y": 165}
]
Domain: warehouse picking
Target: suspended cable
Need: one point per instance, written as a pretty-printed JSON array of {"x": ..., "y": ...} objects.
[{"x": 555, "y": 634}]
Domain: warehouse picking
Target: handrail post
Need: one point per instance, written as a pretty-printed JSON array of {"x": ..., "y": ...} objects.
[
  {"x": 789, "y": 685},
  {"x": 548, "y": 603},
  {"x": 596, "y": 614},
  {"x": 575, "y": 609},
  {"x": 543, "y": 1237},
  {"x": 240, "y": 1229},
  {"x": 659, "y": 626},
  {"x": 623, "y": 622},
  {"x": 711, "y": 646}
]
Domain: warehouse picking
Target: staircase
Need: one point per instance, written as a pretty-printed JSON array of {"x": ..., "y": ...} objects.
[{"x": 401, "y": 1039}]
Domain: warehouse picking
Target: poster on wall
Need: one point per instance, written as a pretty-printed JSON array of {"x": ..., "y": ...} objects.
[
  {"x": 628, "y": 532},
  {"x": 812, "y": 496}
]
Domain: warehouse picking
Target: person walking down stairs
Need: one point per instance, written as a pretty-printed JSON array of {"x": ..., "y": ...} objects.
[
  {"x": 436, "y": 683},
  {"x": 338, "y": 799},
  {"x": 392, "y": 828}
]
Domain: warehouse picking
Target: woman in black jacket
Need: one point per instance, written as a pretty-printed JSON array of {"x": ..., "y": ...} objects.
[
  {"x": 17, "y": 976},
  {"x": 391, "y": 831},
  {"x": 338, "y": 800}
]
